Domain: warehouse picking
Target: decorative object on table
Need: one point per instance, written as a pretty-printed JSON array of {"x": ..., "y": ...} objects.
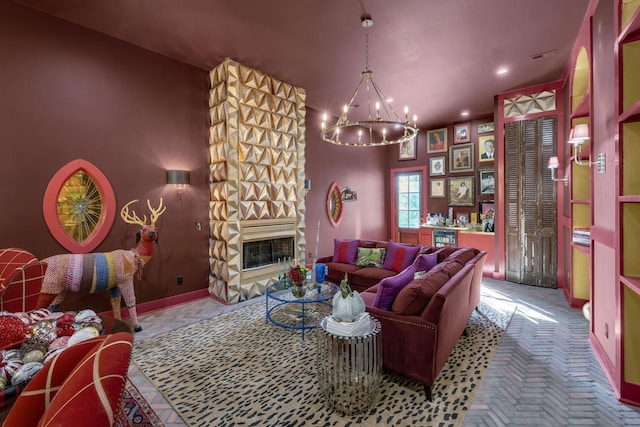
[
  {"x": 334, "y": 204},
  {"x": 461, "y": 158},
  {"x": 348, "y": 305},
  {"x": 358, "y": 327},
  {"x": 111, "y": 271},
  {"x": 298, "y": 276},
  {"x": 321, "y": 272}
]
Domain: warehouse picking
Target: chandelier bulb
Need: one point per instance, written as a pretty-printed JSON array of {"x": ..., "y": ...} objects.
[{"x": 324, "y": 117}]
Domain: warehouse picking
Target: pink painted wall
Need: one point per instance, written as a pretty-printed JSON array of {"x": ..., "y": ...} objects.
[{"x": 364, "y": 170}]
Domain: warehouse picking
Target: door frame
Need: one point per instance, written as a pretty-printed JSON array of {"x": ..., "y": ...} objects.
[{"x": 392, "y": 188}]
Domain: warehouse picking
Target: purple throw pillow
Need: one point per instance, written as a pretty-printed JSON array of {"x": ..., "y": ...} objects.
[
  {"x": 425, "y": 262},
  {"x": 390, "y": 287},
  {"x": 399, "y": 256},
  {"x": 345, "y": 251}
]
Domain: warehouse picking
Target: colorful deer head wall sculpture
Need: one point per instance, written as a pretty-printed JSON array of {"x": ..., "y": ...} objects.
[{"x": 111, "y": 271}]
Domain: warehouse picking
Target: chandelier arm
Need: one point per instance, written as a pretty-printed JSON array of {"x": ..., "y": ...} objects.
[{"x": 385, "y": 104}]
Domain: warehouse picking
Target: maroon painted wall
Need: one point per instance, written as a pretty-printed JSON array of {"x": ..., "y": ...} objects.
[
  {"x": 70, "y": 93},
  {"x": 364, "y": 170}
]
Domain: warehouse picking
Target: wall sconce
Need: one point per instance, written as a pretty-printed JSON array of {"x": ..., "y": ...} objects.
[
  {"x": 349, "y": 195},
  {"x": 180, "y": 179},
  {"x": 578, "y": 135},
  {"x": 553, "y": 166}
]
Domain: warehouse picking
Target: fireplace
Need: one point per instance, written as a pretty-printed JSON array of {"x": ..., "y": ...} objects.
[{"x": 266, "y": 252}]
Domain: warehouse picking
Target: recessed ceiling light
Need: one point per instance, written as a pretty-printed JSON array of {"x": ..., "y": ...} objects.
[
  {"x": 502, "y": 70},
  {"x": 465, "y": 113}
]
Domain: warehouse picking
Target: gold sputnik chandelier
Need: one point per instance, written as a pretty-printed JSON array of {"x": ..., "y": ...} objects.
[{"x": 380, "y": 125}]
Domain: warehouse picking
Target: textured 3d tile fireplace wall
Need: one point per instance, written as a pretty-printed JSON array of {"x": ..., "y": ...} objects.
[{"x": 257, "y": 146}]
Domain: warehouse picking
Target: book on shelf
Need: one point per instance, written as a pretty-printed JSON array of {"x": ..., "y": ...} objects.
[
  {"x": 360, "y": 326},
  {"x": 581, "y": 236}
]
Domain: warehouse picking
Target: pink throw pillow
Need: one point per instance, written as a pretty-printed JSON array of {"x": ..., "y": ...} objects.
[{"x": 345, "y": 251}]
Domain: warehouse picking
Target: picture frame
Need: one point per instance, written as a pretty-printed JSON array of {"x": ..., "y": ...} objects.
[
  {"x": 486, "y": 206},
  {"x": 462, "y": 218},
  {"x": 486, "y": 148},
  {"x": 462, "y": 191},
  {"x": 486, "y": 181},
  {"x": 485, "y": 127},
  {"x": 487, "y": 216},
  {"x": 437, "y": 188},
  {"x": 461, "y": 133},
  {"x": 437, "y": 141},
  {"x": 461, "y": 158},
  {"x": 407, "y": 150},
  {"x": 437, "y": 166}
]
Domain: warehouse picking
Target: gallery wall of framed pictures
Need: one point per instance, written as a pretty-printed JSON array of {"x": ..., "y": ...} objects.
[{"x": 461, "y": 160}]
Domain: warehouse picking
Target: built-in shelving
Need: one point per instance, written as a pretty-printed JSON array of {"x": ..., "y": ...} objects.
[{"x": 628, "y": 62}]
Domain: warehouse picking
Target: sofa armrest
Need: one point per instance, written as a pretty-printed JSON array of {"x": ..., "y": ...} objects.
[
  {"x": 325, "y": 259},
  {"x": 408, "y": 344}
]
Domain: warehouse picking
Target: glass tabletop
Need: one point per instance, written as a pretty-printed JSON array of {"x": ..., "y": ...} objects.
[{"x": 281, "y": 291}]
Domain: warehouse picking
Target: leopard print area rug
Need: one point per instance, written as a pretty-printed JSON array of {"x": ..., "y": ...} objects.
[{"x": 237, "y": 370}]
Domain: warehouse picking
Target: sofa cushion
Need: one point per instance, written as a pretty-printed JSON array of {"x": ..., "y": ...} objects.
[
  {"x": 93, "y": 389},
  {"x": 425, "y": 262},
  {"x": 338, "y": 269},
  {"x": 464, "y": 255},
  {"x": 370, "y": 257},
  {"x": 366, "y": 277},
  {"x": 345, "y": 250},
  {"x": 37, "y": 395},
  {"x": 443, "y": 253},
  {"x": 414, "y": 297},
  {"x": 390, "y": 287},
  {"x": 368, "y": 243},
  {"x": 399, "y": 256}
]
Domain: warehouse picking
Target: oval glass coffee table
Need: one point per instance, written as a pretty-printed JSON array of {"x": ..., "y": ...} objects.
[{"x": 286, "y": 311}]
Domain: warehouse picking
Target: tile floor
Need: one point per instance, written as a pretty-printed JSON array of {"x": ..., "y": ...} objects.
[{"x": 544, "y": 372}]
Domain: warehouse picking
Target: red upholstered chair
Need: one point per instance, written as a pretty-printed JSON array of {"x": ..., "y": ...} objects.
[
  {"x": 81, "y": 386},
  {"x": 20, "y": 280}
]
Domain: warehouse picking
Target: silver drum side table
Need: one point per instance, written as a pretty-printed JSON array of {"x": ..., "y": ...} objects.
[{"x": 349, "y": 368}]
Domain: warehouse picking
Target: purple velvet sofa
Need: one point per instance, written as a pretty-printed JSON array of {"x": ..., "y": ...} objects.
[{"x": 423, "y": 319}]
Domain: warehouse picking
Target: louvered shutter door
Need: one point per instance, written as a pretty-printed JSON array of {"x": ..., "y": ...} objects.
[{"x": 531, "y": 213}]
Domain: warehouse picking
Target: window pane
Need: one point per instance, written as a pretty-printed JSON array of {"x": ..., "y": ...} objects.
[
  {"x": 414, "y": 201},
  {"x": 403, "y": 201},
  {"x": 414, "y": 183},
  {"x": 403, "y": 219},
  {"x": 414, "y": 219},
  {"x": 403, "y": 184}
]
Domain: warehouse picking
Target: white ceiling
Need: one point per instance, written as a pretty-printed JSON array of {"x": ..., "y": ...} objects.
[{"x": 439, "y": 57}]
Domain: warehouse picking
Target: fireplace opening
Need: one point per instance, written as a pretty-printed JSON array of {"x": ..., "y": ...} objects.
[{"x": 266, "y": 252}]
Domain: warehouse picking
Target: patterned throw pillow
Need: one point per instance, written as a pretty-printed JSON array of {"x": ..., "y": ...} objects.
[
  {"x": 345, "y": 251},
  {"x": 370, "y": 257},
  {"x": 399, "y": 256}
]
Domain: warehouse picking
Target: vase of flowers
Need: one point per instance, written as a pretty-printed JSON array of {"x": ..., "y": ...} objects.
[{"x": 298, "y": 276}]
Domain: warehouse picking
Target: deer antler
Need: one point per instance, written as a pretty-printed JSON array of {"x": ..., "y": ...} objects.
[
  {"x": 155, "y": 213},
  {"x": 133, "y": 218}
]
